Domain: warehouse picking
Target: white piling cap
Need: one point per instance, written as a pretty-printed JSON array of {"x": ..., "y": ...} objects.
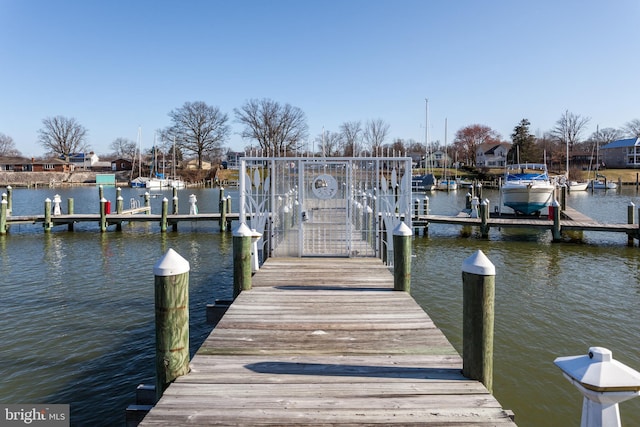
[
  {"x": 402, "y": 230},
  {"x": 478, "y": 263},
  {"x": 171, "y": 264},
  {"x": 242, "y": 231},
  {"x": 598, "y": 371}
]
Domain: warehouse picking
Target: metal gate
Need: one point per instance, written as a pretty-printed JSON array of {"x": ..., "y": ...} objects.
[{"x": 338, "y": 207}]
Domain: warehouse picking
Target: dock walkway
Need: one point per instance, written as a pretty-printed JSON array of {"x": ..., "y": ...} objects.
[{"x": 326, "y": 341}]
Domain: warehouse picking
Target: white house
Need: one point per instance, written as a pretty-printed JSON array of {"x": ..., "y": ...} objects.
[{"x": 492, "y": 155}]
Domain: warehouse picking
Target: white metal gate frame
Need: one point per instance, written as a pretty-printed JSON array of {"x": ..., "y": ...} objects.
[{"x": 274, "y": 193}]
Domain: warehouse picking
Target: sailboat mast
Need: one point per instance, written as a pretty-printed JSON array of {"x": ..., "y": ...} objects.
[{"x": 426, "y": 135}]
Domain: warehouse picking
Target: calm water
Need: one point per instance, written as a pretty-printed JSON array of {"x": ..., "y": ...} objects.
[{"x": 78, "y": 314}]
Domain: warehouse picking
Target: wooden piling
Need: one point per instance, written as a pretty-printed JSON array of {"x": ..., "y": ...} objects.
[
  {"x": 241, "y": 259},
  {"x": 3, "y": 215},
  {"x": 484, "y": 218},
  {"x": 147, "y": 202},
  {"x": 478, "y": 283},
  {"x": 631, "y": 219},
  {"x": 556, "y": 231},
  {"x": 70, "y": 210},
  {"x": 163, "y": 217},
  {"x": 100, "y": 192},
  {"x": 47, "y": 215},
  {"x": 9, "y": 199},
  {"x": 402, "y": 258},
  {"x": 223, "y": 214},
  {"x": 171, "y": 319},
  {"x": 103, "y": 214}
]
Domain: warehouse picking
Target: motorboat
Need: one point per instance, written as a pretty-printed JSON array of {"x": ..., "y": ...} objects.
[
  {"x": 601, "y": 183},
  {"x": 161, "y": 182},
  {"x": 527, "y": 188},
  {"x": 447, "y": 184}
]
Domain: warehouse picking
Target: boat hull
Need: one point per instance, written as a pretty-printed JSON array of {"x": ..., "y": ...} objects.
[
  {"x": 447, "y": 185},
  {"x": 527, "y": 198}
]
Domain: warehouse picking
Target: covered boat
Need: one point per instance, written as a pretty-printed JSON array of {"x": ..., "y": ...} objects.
[{"x": 527, "y": 188}]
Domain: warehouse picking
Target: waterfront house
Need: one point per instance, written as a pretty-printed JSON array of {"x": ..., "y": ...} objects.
[
  {"x": 120, "y": 165},
  {"x": 492, "y": 155},
  {"x": 623, "y": 153}
]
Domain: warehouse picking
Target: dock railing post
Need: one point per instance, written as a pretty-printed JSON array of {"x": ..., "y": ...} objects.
[
  {"x": 631, "y": 219},
  {"x": 241, "y": 259},
  {"x": 3, "y": 214},
  {"x": 478, "y": 294},
  {"x": 172, "y": 319},
  {"x": 556, "y": 231},
  {"x": 402, "y": 258},
  {"x": 163, "y": 217},
  {"x": 47, "y": 215}
]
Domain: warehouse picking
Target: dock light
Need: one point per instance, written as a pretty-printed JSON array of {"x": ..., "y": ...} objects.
[{"x": 603, "y": 381}]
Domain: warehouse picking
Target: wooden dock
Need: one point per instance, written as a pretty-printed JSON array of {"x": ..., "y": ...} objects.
[{"x": 326, "y": 341}]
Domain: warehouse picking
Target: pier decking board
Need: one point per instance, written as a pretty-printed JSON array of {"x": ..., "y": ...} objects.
[{"x": 321, "y": 341}]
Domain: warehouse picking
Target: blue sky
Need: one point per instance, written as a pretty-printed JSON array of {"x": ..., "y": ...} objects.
[{"x": 119, "y": 65}]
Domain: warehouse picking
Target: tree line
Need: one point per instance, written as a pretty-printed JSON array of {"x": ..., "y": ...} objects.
[{"x": 200, "y": 131}]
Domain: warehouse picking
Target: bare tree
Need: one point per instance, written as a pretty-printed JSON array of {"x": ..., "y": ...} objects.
[
  {"x": 470, "y": 137},
  {"x": 198, "y": 128},
  {"x": 8, "y": 147},
  {"x": 568, "y": 129},
  {"x": 278, "y": 129},
  {"x": 375, "y": 132},
  {"x": 604, "y": 136},
  {"x": 632, "y": 128},
  {"x": 351, "y": 134},
  {"x": 328, "y": 143},
  {"x": 63, "y": 136},
  {"x": 124, "y": 148}
]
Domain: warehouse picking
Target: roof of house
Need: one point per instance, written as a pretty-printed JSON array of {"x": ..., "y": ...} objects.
[{"x": 620, "y": 143}]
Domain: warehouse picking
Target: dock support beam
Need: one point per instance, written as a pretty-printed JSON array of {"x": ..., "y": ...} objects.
[
  {"x": 172, "y": 319},
  {"x": 402, "y": 258},
  {"x": 478, "y": 293},
  {"x": 241, "y": 259}
]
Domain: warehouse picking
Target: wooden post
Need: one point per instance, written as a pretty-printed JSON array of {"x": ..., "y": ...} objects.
[
  {"x": 119, "y": 204},
  {"x": 223, "y": 214},
  {"x": 484, "y": 218},
  {"x": 402, "y": 258},
  {"x": 118, "y": 196},
  {"x": 103, "y": 214},
  {"x": 175, "y": 204},
  {"x": 100, "y": 192},
  {"x": 563, "y": 197},
  {"x": 147, "y": 202},
  {"x": 3, "y": 214},
  {"x": 241, "y": 259},
  {"x": 478, "y": 293},
  {"x": 172, "y": 319},
  {"x": 70, "y": 212},
  {"x": 631, "y": 219},
  {"x": 556, "y": 231},
  {"x": 9, "y": 200},
  {"x": 163, "y": 216},
  {"x": 47, "y": 215}
]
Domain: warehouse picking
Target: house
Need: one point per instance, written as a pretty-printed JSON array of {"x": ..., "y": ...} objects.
[
  {"x": 15, "y": 164},
  {"x": 52, "y": 165},
  {"x": 492, "y": 155},
  {"x": 82, "y": 160},
  {"x": 623, "y": 153},
  {"x": 193, "y": 165},
  {"x": 120, "y": 165},
  {"x": 438, "y": 159}
]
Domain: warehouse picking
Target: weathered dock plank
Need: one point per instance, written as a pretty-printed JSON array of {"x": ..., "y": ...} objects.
[{"x": 321, "y": 341}]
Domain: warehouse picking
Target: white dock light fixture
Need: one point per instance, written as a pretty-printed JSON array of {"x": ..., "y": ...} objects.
[{"x": 604, "y": 382}]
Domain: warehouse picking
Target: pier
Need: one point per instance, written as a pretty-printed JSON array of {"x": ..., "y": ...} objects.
[{"x": 326, "y": 341}]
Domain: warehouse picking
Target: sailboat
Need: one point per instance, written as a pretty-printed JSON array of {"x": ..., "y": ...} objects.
[
  {"x": 159, "y": 180},
  {"x": 425, "y": 182},
  {"x": 573, "y": 185},
  {"x": 600, "y": 182},
  {"x": 139, "y": 181},
  {"x": 446, "y": 183}
]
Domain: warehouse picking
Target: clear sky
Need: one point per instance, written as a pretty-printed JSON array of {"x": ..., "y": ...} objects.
[{"x": 117, "y": 65}]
